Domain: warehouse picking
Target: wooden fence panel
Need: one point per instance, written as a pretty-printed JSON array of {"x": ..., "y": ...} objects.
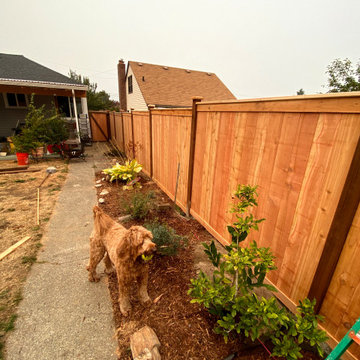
[
  {"x": 171, "y": 135},
  {"x": 142, "y": 139},
  {"x": 99, "y": 125},
  {"x": 341, "y": 306},
  {"x": 299, "y": 161},
  {"x": 118, "y": 128},
  {"x": 298, "y": 151}
]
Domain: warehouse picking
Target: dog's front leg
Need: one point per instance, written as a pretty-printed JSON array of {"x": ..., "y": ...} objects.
[
  {"x": 142, "y": 280},
  {"x": 124, "y": 300}
]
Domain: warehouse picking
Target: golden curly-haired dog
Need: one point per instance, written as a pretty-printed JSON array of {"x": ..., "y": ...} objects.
[{"x": 123, "y": 248}]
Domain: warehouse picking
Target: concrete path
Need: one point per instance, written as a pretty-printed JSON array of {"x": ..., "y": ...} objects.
[{"x": 63, "y": 315}]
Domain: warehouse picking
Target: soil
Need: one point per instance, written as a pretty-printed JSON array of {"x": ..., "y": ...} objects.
[
  {"x": 185, "y": 330},
  {"x": 18, "y": 204}
]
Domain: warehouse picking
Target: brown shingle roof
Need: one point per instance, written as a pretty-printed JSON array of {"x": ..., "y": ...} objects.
[{"x": 169, "y": 86}]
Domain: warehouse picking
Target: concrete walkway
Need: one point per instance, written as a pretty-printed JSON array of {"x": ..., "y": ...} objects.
[{"x": 63, "y": 315}]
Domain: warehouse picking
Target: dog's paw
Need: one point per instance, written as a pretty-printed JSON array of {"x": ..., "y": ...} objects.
[
  {"x": 125, "y": 308},
  {"x": 94, "y": 278},
  {"x": 145, "y": 300},
  {"x": 109, "y": 271}
]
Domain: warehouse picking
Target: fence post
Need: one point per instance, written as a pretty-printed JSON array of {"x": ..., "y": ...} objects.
[
  {"x": 195, "y": 100},
  {"x": 150, "y": 107},
  {"x": 132, "y": 132}
]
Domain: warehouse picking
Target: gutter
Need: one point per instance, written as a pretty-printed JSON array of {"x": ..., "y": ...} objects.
[{"x": 43, "y": 84}]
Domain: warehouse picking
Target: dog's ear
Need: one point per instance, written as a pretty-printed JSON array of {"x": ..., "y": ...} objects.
[{"x": 136, "y": 235}]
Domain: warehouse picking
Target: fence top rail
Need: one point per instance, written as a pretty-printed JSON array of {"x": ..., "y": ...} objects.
[
  {"x": 175, "y": 112},
  {"x": 332, "y": 103}
]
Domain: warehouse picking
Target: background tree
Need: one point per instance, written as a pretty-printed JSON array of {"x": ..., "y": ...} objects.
[
  {"x": 96, "y": 100},
  {"x": 300, "y": 92},
  {"x": 343, "y": 76}
]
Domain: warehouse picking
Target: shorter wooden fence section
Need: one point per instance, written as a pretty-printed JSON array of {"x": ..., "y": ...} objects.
[{"x": 303, "y": 153}]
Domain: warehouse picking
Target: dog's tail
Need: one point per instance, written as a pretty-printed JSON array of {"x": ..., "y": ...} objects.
[{"x": 101, "y": 221}]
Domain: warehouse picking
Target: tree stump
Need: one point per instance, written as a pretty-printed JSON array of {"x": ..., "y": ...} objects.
[{"x": 145, "y": 344}]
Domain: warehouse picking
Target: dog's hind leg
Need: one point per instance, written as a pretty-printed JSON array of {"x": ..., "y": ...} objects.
[
  {"x": 97, "y": 251},
  {"x": 142, "y": 280},
  {"x": 108, "y": 264}
]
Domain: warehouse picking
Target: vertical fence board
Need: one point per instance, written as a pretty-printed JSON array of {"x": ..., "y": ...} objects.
[
  {"x": 119, "y": 131},
  {"x": 142, "y": 139}
]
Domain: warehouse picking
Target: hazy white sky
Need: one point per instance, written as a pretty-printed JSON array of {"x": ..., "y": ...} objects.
[{"x": 258, "y": 48}]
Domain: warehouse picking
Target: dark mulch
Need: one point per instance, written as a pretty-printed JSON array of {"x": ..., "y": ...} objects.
[{"x": 184, "y": 329}]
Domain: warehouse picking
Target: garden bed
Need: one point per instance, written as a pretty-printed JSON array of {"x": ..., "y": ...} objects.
[{"x": 185, "y": 330}]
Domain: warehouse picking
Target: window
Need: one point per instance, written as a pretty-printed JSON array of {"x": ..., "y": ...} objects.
[
  {"x": 16, "y": 101},
  {"x": 130, "y": 85}
]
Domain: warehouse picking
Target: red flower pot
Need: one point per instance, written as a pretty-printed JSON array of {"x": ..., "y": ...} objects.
[{"x": 22, "y": 158}]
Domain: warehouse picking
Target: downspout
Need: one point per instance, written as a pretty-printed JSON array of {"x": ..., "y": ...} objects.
[{"x": 76, "y": 115}]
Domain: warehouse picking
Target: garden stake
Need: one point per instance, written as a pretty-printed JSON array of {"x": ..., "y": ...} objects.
[
  {"x": 50, "y": 170},
  {"x": 177, "y": 183}
]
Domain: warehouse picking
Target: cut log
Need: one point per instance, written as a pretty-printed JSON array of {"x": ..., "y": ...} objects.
[{"x": 144, "y": 344}]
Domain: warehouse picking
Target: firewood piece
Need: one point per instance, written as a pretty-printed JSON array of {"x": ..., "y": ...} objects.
[
  {"x": 145, "y": 344},
  {"x": 13, "y": 247}
]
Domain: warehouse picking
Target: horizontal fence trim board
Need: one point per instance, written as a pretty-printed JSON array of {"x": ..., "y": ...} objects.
[
  {"x": 213, "y": 232},
  {"x": 290, "y": 304},
  {"x": 347, "y": 106},
  {"x": 351, "y": 94},
  {"x": 171, "y": 196}
]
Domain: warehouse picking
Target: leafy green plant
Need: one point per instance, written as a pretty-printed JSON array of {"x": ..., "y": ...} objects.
[
  {"x": 26, "y": 141},
  {"x": 140, "y": 205},
  {"x": 126, "y": 172},
  {"x": 167, "y": 241},
  {"x": 230, "y": 293},
  {"x": 41, "y": 127}
]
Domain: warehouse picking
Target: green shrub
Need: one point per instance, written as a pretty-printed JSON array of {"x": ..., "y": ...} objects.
[
  {"x": 166, "y": 240},
  {"x": 229, "y": 293},
  {"x": 140, "y": 205}
]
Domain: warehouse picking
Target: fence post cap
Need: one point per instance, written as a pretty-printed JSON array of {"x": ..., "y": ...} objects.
[
  {"x": 151, "y": 106},
  {"x": 199, "y": 98}
]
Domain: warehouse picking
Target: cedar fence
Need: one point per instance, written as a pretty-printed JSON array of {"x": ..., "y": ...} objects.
[{"x": 303, "y": 152}]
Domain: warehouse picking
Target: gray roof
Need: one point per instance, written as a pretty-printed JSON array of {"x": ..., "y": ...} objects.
[{"x": 18, "y": 67}]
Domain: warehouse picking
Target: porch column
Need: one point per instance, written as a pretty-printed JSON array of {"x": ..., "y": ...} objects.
[
  {"x": 76, "y": 114},
  {"x": 84, "y": 107}
]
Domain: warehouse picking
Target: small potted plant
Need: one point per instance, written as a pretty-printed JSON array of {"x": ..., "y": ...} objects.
[{"x": 24, "y": 143}]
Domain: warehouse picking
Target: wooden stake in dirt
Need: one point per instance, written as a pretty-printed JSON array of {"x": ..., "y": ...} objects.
[
  {"x": 177, "y": 183},
  {"x": 13, "y": 247},
  {"x": 50, "y": 170}
]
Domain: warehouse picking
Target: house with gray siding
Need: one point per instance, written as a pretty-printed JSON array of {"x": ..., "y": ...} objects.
[{"x": 21, "y": 78}]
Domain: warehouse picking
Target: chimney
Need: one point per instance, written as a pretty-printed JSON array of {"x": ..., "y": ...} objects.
[{"x": 122, "y": 85}]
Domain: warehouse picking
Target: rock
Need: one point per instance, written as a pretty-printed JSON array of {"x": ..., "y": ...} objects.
[
  {"x": 103, "y": 179},
  {"x": 144, "y": 344},
  {"x": 98, "y": 185},
  {"x": 101, "y": 201},
  {"x": 104, "y": 192},
  {"x": 98, "y": 181}
]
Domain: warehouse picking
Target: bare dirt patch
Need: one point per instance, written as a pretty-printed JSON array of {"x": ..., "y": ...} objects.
[
  {"x": 185, "y": 330},
  {"x": 18, "y": 204}
]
